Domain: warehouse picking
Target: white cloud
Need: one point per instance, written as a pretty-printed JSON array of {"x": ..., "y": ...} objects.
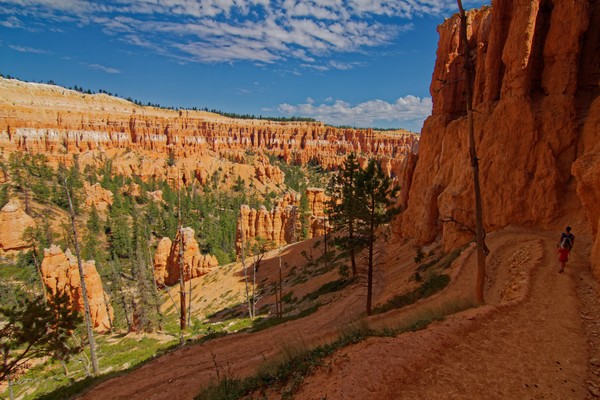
[
  {"x": 11, "y": 22},
  {"x": 24, "y": 49},
  {"x": 406, "y": 112},
  {"x": 103, "y": 68},
  {"x": 209, "y": 31}
]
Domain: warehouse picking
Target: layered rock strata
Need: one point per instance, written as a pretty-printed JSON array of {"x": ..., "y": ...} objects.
[
  {"x": 60, "y": 274},
  {"x": 167, "y": 259},
  {"x": 59, "y": 122},
  {"x": 537, "y": 124}
]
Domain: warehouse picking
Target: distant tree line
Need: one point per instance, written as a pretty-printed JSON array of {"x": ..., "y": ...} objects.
[
  {"x": 358, "y": 128},
  {"x": 252, "y": 116}
]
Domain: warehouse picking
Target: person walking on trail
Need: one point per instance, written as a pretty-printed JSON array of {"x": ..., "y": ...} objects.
[
  {"x": 567, "y": 237},
  {"x": 565, "y": 245}
]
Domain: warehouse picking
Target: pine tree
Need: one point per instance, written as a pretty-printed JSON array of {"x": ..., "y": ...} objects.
[
  {"x": 120, "y": 235},
  {"x": 90, "y": 240},
  {"x": 345, "y": 201},
  {"x": 35, "y": 329},
  {"x": 304, "y": 211},
  {"x": 146, "y": 305},
  {"x": 376, "y": 211}
]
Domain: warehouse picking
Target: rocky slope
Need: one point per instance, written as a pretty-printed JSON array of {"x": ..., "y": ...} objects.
[{"x": 537, "y": 124}]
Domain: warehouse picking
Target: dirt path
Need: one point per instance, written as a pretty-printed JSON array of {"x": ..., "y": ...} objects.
[
  {"x": 538, "y": 339},
  {"x": 182, "y": 373}
]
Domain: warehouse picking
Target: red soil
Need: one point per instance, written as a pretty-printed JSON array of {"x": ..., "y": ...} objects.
[{"x": 536, "y": 338}]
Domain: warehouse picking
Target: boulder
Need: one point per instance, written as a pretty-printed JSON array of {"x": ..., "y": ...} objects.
[{"x": 14, "y": 221}]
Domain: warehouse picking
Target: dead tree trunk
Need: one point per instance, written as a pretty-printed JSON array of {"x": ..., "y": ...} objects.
[
  {"x": 243, "y": 257},
  {"x": 278, "y": 291},
  {"x": 182, "y": 302},
  {"x": 86, "y": 302},
  {"x": 469, "y": 68},
  {"x": 117, "y": 279}
]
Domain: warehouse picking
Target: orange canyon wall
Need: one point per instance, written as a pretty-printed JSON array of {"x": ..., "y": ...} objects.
[{"x": 537, "y": 124}]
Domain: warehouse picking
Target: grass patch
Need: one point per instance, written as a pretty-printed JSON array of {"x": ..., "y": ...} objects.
[
  {"x": 329, "y": 287},
  {"x": 264, "y": 323},
  {"x": 432, "y": 285},
  {"x": 425, "y": 266},
  {"x": 449, "y": 259},
  {"x": 115, "y": 358},
  {"x": 287, "y": 374}
]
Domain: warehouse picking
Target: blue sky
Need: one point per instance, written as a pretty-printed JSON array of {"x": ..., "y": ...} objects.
[{"x": 364, "y": 63}]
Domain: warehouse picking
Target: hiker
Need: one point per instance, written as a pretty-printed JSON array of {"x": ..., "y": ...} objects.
[
  {"x": 567, "y": 237},
  {"x": 564, "y": 247}
]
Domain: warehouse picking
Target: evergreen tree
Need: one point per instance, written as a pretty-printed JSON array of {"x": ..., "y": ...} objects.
[
  {"x": 91, "y": 241},
  {"x": 377, "y": 209},
  {"x": 345, "y": 202},
  {"x": 35, "y": 329},
  {"x": 146, "y": 306},
  {"x": 119, "y": 231},
  {"x": 120, "y": 294},
  {"x": 72, "y": 175}
]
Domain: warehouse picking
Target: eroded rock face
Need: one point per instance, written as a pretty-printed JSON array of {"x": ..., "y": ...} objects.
[
  {"x": 167, "y": 259},
  {"x": 97, "y": 196},
  {"x": 587, "y": 171},
  {"x": 61, "y": 275},
  {"x": 59, "y": 122},
  {"x": 13, "y": 223},
  {"x": 266, "y": 172},
  {"x": 536, "y": 113},
  {"x": 281, "y": 223}
]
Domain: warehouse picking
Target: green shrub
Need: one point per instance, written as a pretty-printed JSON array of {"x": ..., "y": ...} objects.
[{"x": 432, "y": 285}]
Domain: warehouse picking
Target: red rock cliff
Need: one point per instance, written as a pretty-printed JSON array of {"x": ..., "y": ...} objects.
[{"x": 537, "y": 123}]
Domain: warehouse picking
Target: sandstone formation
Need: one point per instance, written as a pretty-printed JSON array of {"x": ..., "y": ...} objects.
[
  {"x": 59, "y": 122},
  {"x": 281, "y": 224},
  {"x": 13, "y": 223},
  {"x": 61, "y": 275},
  {"x": 266, "y": 172},
  {"x": 536, "y": 123},
  {"x": 167, "y": 259},
  {"x": 97, "y": 197}
]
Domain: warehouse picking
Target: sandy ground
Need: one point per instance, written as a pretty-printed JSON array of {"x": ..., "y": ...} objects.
[{"x": 537, "y": 337}]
